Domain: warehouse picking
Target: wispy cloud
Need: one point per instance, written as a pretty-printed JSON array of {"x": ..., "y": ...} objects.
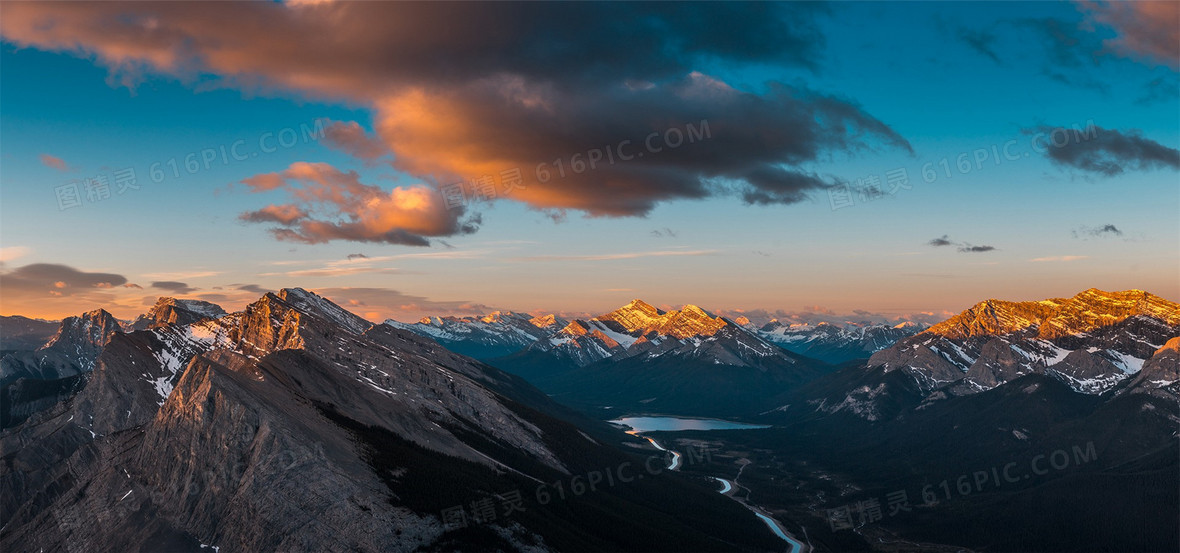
[
  {"x": 181, "y": 275},
  {"x": 338, "y": 271},
  {"x": 9, "y": 253},
  {"x": 612, "y": 256},
  {"x": 945, "y": 240},
  {"x": 54, "y": 162},
  {"x": 376, "y": 304},
  {"x": 980, "y": 40},
  {"x": 1059, "y": 258},
  {"x": 1096, "y": 232},
  {"x": 968, "y": 248}
]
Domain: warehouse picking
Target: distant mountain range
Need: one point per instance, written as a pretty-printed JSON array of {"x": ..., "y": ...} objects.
[
  {"x": 836, "y": 344},
  {"x": 641, "y": 359},
  {"x": 581, "y": 342},
  {"x": 638, "y": 357},
  {"x": 296, "y": 425},
  {"x": 494, "y": 335}
]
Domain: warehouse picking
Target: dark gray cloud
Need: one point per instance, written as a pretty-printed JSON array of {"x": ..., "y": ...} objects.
[
  {"x": 1066, "y": 43},
  {"x": 964, "y": 247},
  {"x": 253, "y": 288},
  {"x": 1102, "y": 151},
  {"x": 968, "y": 248},
  {"x": 1071, "y": 51},
  {"x": 174, "y": 287},
  {"x": 664, "y": 232},
  {"x": 357, "y": 256},
  {"x": 1096, "y": 232},
  {"x": 56, "y": 280},
  {"x": 944, "y": 240}
]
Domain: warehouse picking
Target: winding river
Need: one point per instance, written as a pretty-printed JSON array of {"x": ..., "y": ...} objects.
[{"x": 638, "y": 425}]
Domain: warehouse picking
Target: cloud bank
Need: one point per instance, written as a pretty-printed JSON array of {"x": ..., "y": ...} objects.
[{"x": 531, "y": 86}]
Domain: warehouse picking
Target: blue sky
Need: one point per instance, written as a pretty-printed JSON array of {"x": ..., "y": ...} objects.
[{"x": 950, "y": 79}]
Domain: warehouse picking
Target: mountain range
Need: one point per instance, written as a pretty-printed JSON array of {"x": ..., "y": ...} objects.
[
  {"x": 296, "y": 425},
  {"x": 494, "y": 335},
  {"x": 638, "y": 358},
  {"x": 836, "y": 344},
  {"x": 998, "y": 385}
]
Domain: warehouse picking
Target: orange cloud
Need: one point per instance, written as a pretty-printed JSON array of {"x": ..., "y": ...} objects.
[
  {"x": 1149, "y": 29},
  {"x": 552, "y": 86},
  {"x": 335, "y": 205},
  {"x": 54, "y": 162},
  {"x": 352, "y": 139}
]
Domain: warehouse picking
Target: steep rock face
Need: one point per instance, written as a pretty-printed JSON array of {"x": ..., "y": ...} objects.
[
  {"x": 80, "y": 339},
  {"x": 171, "y": 311},
  {"x": 998, "y": 362},
  {"x": 1088, "y": 372},
  {"x": 1092, "y": 341},
  {"x": 1160, "y": 375}
]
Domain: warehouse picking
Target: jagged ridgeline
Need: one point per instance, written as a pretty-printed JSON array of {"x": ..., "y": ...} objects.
[{"x": 296, "y": 425}]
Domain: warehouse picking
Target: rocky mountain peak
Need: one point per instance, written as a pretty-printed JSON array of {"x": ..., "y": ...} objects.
[
  {"x": 544, "y": 321},
  {"x": 1055, "y": 318},
  {"x": 689, "y": 321},
  {"x": 92, "y": 329},
  {"x": 172, "y": 311},
  {"x": 636, "y": 315},
  {"x": 310, "y": 303},
  {"x": 496, "y": 316},
  {"x": 641, "y": 318}
]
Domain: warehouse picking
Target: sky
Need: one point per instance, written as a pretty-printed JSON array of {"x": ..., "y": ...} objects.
[{"x": 807, "y": 161}]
